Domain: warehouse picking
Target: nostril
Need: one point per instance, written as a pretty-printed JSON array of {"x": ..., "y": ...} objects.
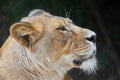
[{"x": 92, "y": 38}]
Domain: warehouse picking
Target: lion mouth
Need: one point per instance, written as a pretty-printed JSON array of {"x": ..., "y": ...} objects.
[{"x": 83, "y": 58}]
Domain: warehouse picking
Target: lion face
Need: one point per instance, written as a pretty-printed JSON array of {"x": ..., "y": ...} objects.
[{"x": 56, "y": 41}]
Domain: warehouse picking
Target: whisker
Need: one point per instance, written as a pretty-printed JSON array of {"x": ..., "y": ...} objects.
[
  {"x": 66, "y": 13},
  {"x": 69, "y": 13}
]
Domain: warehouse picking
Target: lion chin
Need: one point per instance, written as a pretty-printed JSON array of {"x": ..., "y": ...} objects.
[
  {"x": 42, "y": 46},
  {"x": 88, "y": 66}
]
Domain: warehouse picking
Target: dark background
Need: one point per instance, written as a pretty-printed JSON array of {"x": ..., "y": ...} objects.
[{"x": 101, "y": 16}]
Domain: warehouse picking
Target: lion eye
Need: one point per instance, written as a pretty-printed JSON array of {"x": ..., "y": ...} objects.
[{"x": 62, "y": 28}]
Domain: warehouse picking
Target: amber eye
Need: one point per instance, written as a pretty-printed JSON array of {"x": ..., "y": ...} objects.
[{"x": 62, "y": 28}]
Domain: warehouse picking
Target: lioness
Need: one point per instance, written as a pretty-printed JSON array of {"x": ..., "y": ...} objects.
[{"x": 44, "y": 47}]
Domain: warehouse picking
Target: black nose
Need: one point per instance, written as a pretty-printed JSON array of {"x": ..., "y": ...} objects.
[{"x": 92, "y": 38}]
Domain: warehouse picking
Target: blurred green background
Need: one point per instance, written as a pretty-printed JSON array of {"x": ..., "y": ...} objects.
[{"x": 101, "y": 16}]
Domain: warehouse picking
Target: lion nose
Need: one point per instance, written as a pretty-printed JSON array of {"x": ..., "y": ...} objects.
[{"x": 90, "y": 36}]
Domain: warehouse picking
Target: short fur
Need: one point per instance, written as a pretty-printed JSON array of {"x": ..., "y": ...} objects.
[{"x": 43, "y": 47}]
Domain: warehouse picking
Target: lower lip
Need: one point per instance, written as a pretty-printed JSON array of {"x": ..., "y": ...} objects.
[{"x": 79, "y": 62}]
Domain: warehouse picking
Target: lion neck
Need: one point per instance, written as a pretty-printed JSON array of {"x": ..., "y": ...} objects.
[{"x": 25, "y": 63}]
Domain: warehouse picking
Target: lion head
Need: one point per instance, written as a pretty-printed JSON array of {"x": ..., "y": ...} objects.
[{"x": 43, "y": 46}]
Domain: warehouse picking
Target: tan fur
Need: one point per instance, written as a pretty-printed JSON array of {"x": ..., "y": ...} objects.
[
  {"x": 38, "y": 50},
  {"x": 67, "y": 77}
]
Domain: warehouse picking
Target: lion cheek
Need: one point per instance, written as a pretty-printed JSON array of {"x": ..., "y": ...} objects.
[{"x": 61, "y": 54}]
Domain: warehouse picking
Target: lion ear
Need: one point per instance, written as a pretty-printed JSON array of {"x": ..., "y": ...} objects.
[
  {"x": 38, "y": 12},
  {"x": 24, "y": 33}
]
